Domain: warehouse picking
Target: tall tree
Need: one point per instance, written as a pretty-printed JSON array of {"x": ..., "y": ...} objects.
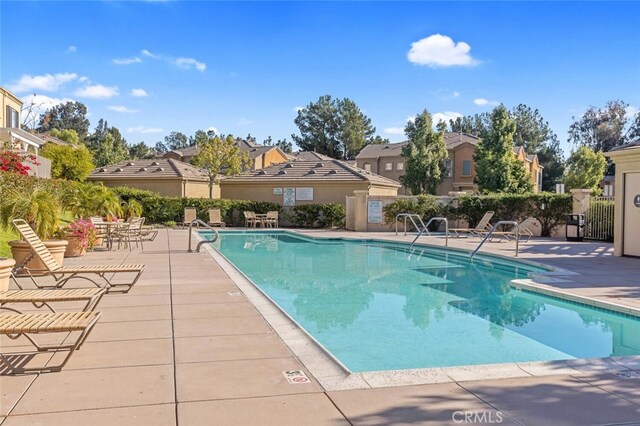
[
  {"x": 601, "y": 129},
  {"x": 67, "y": 135},
  {"x": 107, "y": 145},
  {"x": 535, "y": 135},
  {"x": 68, "y": 162},
  {"x": 284, "y": 145},
  {"x": 199, "y": 137},
  {"x": 70, "y": 115},
  {"x": 425, "y": 154},
  {"x": 220, "y": 156},
  {"x": 497, "y": 169},
  {"x": 334, "y": 127},
  {"x": 476, "y": 125},
  {"x": 139, "y": 150},
  {"x": 176, "y": 141},
  {"x": 160, "y": 147},
  {"x": 585, "y": 169}
]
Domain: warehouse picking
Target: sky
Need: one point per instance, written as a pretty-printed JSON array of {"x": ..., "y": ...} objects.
[{"x": 153, "y": 67}]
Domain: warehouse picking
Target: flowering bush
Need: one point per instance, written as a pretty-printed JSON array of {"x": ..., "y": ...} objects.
[
  {"x": 82, "y": 229},
  {"x": 13, "y": 162}
]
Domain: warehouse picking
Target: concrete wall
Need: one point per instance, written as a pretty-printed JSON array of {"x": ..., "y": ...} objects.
[
  {"x": 626, "y": 240},
  {"x": 196, "y": 189},
  {"x": 323, "y": 192},
  {"x": 9, "y": 99},
  {"x": 166, "y": 187},
  {"x": 273, "y": 157}
]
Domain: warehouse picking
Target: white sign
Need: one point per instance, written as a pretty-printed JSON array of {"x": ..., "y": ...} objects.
[
  {"x": 277, "y": 191},
  {"x": 289, "y": 197},
  {"x": 374, "y": 212},
  {"x": 304, "y": 194},
  {"x": 296, "y": 377}
]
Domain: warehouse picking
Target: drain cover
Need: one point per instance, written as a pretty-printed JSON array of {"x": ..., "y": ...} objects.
[
  {"x": 628, "y": 374},
  {"x": 296, "y": 377}
]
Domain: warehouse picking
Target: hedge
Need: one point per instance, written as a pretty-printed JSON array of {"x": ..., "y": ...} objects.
[{"x": 548, "y": 208}]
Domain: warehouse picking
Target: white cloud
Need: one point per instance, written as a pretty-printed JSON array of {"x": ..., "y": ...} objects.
[
  {"x": 297, "y": 109},
  {"x": 143, "y": 129},
  {"x": 38, "y": 104},
  {"x": 631, "y": 112},
  {"x": 121, "y": 108},
  {"x": 139, "y": 93},
  {"x": 455, "y": 94},
  {"x": 72, "y": 49},
  {"x": 394, "y": 130},
  {"x": 127, "y": 61},
  {"x": 190, "y": 63},
  {"x": 445, "y": 116},
  {"x": 84, "y": 79},
  {"x": 244, "y": 122},
  {"x": 145, "y": 52},
  {"x": 411, "y": 119},
  {"x": 46, "y": 82},
  {"x": 439, "y": 51},
  {"x": 483, "y": 102},
  {"x": 97, "y": 91},
  {"x": 213, "y": 129}
]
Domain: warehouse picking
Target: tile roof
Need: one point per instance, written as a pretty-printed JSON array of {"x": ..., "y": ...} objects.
[
  {"x": 158, "y": 168},
  {"x": 451, "y": 141},
  {"x": 254, "y": 150},
  {"x": 310, "y": 156},
  {"x": 326, "y": 170},
  {"x": 630, "y": 145}
]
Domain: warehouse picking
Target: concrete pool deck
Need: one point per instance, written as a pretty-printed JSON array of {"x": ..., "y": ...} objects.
[{"x": 186, "y": 346}]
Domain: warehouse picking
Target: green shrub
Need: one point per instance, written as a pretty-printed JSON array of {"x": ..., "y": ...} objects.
[
  {"x": 318, "y": 215},
  {"x": 424, "y": 205}
]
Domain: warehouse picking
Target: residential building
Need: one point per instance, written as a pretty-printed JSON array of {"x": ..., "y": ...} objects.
[
  {"x": 387, "y": 160},
  {"x": 306, "y": 182},
  {"x": 165, "y": 176},
  {"x": 261, "y": 156},
  {"x": 17, "y": 138}
]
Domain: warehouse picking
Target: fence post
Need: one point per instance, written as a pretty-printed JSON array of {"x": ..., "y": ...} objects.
[{"x": 360, "y": 207}]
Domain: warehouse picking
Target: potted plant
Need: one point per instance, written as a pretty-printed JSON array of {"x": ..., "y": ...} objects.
[
  {"x": 81, "y": 235},
  {"x": 130, "y": 209},
  {"x": 40, "y": 209},
  {"x": 6, "y": 265}
]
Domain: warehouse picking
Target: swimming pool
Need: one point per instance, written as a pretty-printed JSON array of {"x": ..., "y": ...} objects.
[{"x": 382, "y": 306}]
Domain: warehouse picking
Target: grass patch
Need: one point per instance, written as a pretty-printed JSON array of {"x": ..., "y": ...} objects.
[{"x": 5, "y": 237}]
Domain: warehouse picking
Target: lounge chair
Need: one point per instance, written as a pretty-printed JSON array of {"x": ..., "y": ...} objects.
[
  {"x": 271, "y": 220},
  {"x": 14, "y": 324},
  {"x": 41, "y": 298},
  {"x": 482, "y": 226},
  {"x": 508, "y": 234},
  {"x": 215, "y": 218},
  {"x": 62, "y": 274},
  {"x": 190, "y": 215}
]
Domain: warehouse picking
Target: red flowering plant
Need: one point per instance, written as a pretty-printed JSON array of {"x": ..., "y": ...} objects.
[
  {"x": 12, "y": 161},
  {"x": 82, "y": 229}
]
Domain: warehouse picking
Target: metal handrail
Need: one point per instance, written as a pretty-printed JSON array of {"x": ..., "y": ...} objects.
[
  {"x": 502, "y": 222},
  {"x": 200, "y": 222},
  {"x": 425, "y": 229},
  {"x": 409, "y": 216}
]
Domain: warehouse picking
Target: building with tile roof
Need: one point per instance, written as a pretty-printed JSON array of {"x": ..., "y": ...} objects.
[
  {"x": 165, "y": 176},
  {"x": 305, "y": 182}
]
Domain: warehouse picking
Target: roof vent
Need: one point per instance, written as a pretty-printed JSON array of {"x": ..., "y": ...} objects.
[
  {"x": 312, "y": 172},
  {"x": 155, "y": 163},
  {"x": 131, "y": 163},
  {"x": 262, "y": 173},
  {"x": 142, "y": 169},
  {"x": 319, "y": 165},
  {"x": 288, "y": 166},
  {"x": 282, "y": 172},
  {"x": 118, "y": 169},
  {"x": 102, "y": 170},
  {"x": 333, "y": 172},
  {"x": 159, "y": 169}
]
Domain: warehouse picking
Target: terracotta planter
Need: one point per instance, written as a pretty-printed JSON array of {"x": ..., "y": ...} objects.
[
  {"x": 74, "y": 248},
  {"x": 21, "y": 250},
  {"x": 5, "y": 272}
]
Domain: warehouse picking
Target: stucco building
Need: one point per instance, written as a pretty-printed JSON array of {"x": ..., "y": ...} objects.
[
  {"x": 306, "y": 182},
  {"x": 164, "y": 176},
  {"x": 387, "y": 160}
]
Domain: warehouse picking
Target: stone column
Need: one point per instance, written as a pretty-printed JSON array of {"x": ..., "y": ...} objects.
[{"x": 360, "y": 206}]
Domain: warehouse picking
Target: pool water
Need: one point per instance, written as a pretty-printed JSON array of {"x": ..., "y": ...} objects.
[{"x": 384, "y": 306}]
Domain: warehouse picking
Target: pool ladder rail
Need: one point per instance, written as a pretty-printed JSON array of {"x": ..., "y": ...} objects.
[
  {"x": 502, "y": 222},
  {"x": 200, "y": 243},
  {"x": 423, "y": 228}
]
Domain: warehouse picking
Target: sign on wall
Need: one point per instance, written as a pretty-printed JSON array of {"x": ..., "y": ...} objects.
[
  {"x": 374, "y": 212},
  {"x": 304, "y": 194},
  {"x": 277, "y": 191},
  {"x": 289, "y": 197}
]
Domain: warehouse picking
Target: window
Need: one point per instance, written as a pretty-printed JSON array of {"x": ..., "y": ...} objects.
[
  {"x": 540, "y": 179},
  {"x": 400, "y": 166},
  {"x": 466, "y": 168},
  {"x": 388, "y": 166},
  {"x": 367, "y": 166},
  {"x": 448, "y": 168},
  {"x": 13, "y": 117}
]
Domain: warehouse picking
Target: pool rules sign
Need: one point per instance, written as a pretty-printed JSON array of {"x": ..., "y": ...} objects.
[{"x": 374, "y": 211}]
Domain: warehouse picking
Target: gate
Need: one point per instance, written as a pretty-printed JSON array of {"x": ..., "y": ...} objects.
[{"x": 599, "y": 219}]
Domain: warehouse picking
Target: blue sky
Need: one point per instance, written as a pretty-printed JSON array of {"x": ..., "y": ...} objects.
[{"x": 150, "y": 68}]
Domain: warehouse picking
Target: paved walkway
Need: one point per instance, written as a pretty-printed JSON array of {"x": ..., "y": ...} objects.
[{"x": 186, "y": 347}]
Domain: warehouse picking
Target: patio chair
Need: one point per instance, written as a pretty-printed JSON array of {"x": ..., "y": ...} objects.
[
  {"x": 62, "y": 274},
  {"x": 482, "y": 226},
  {"x": 42, "y": 298},
  {"x": 148, "y": 232},
  {"x": 131, "y": 233},
  {"x": 250, "y": 219},
  {"x": 215, "y": 218},
  {"x": 14, "y": 324},
  {"x": 271, "y": 220},
  {"x": 101, "y": 228},
  {"x": 190, "y": 215}
]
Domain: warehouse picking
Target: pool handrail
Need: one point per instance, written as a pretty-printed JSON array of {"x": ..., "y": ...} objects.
[
  {"x": 425, "y": 229},
  {"x": 200, "y": 243},
  {"x": 502, "y": 222},
  {"x": 409, "y": 216}
]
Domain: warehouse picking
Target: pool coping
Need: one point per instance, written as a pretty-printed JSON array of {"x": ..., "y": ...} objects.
[{"x": 332, "y": 375}]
